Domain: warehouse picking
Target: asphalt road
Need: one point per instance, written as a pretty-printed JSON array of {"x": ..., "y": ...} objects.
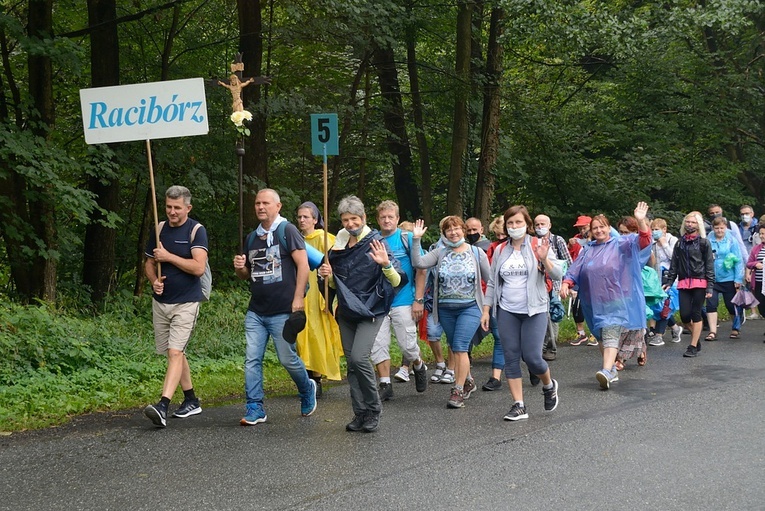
[{"x": 677, "y": 434}]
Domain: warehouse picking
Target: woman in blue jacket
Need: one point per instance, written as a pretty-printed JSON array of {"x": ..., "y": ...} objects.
[{"x": 729, "y": 274}]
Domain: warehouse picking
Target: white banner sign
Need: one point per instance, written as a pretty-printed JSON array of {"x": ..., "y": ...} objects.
[{"x": 145, "y": 111}]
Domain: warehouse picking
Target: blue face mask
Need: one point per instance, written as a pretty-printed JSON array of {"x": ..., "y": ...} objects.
[
  {"x": 453, "y": 244},
  {"x": 657, "y": 233}
]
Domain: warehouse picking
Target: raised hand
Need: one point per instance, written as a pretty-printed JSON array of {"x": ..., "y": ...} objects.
[
  {"x": 419, "y": 228},
  {"x": 379, "y": 254},
  {"x": 640, "y": 211},
  {"x": 543, "y": 249}
]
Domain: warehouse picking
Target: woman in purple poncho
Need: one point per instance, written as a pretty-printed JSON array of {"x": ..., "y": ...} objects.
[{"x": 607, "y": 272}]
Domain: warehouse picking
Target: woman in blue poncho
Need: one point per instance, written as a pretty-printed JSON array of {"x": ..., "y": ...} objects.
[
  {"x": 608, "y": 273},
  {"x": 729, "y": 274}
]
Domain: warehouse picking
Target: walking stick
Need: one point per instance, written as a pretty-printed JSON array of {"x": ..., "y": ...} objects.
[{"x": 326, "y": 226}]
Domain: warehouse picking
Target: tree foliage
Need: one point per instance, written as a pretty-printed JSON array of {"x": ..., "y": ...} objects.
[{"x": 597, "y": 104}]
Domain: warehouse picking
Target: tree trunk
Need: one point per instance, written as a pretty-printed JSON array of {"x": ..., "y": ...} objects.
[
  {"x": 256, "y": 150},
  {"x": 98, "y": 250},
  {"x": 42, "y": 211},
  {"x": 384, "y": 63},
  {"x": 460, "y": 127},
  {"x": 419, "y": 124},
  {"x": 484, "y": 191}
]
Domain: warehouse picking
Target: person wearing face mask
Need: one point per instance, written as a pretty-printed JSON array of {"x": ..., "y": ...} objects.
[
  {"x": 457, "y": 295},
  {"x": 663, "y": 247},
  {"x": 517, "y": 295},
  {"x": 608, "y": 274},
  {"x": 748, "y": 227},
  {"x": 558, "y": 250},
  {"x": 474, "y": 234},
  {"x": 694, "y": 267},
  {"x": 362, "y": 269}
]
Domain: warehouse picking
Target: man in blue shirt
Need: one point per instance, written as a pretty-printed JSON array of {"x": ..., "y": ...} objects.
[
  {"x": 406, "y": 310},
  {"x": 182, "y": 257}
]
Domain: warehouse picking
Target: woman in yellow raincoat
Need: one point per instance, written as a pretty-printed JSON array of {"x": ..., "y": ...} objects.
[{"x": 319, "y": 344}]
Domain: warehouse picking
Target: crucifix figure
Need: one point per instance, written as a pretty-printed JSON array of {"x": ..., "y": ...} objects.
[{"x": 235, "y": 83}]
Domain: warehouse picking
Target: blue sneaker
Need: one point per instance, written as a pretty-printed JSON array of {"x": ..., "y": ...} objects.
[
  {"x": 308, "y": 403},
  {"x": 604, "y": 378},
  {"x": 255, "y": 415}
]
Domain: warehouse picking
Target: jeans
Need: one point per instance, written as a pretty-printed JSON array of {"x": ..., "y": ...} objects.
[
  {"x": 498, "y": 355},
  {"x": 460, "y": 324},
  {"x": 257, "y": 330}
]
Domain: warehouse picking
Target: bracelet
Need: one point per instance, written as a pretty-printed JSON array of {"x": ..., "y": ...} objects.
[{"x": 390, "y": 265}]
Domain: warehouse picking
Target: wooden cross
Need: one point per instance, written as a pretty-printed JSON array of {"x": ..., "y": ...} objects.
[{"x": 236, "y": 83}]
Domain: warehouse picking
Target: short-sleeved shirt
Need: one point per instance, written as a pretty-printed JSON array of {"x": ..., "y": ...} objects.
[
  {"x": 405, "y": 294},
  {"x": 180, "y": 287},
  {"x": 273, "y": 274},
  {"x": 456, "y": 278}
]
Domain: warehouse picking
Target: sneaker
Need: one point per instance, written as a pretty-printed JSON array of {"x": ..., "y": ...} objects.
[
  {"x": 188, "y": 408},
  {"x": 692, "y": 351},
  {"x": 437, "y": 374},
  {"x": 614, "y": 375},
  {"x": 551, "y": 396},
  {"x": 754, "y": 316},
  {"x": 469, "y": 388},
  {"x": 402, "y": 374},
  {"x": 654, "y": 339},
  {"x": 516, "y": 413},
  {"x": 356, "y": 424},
  {"x": 581, "y": 339},
  {"x": 371, "y": 422},
  {"x": 592, "y": 341},
  {"x": 255, "y": 415},
  {"x": 456, "y": 399},
  {"x": 421, "y": 378},
  {"x": 157, "y": 414},
  {"x": 534, "y": 380},
  {"x": 604, "y": 378},
  {"x": 677, "y": 330},
  {"x": 492, "y": 384},
  {"x": 447, "y": 377},
  {"x": 308, "y": 403},
  {"x": 386, "y": 391},
  {"x": 549, "y": 356}
]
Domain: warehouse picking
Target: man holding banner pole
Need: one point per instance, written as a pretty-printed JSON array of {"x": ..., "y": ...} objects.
[{"x": 182, "y": 251}]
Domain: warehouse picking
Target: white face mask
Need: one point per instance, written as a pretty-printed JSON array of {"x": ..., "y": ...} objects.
[
  {"x": 517, "y": 233},
  {"x": 746, "y": 218},
  {"x": 542, "y": 231}
]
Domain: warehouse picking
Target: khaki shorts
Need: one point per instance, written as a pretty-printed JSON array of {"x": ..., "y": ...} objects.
[{"x": 173, "y": 324}]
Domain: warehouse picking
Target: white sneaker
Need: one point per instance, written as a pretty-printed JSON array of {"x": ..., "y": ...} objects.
[
  {"x": 677, "y": 331},
  {"x": 402, "y": 374},
  {"x": 754, "y": 315},
  {"x": 436, "y": 376}
]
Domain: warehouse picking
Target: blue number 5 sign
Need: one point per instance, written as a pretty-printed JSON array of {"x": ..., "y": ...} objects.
[{"x": 324, "y": 133}]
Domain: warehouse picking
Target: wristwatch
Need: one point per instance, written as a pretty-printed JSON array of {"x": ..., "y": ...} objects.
[{"x": 419, "y": 300}]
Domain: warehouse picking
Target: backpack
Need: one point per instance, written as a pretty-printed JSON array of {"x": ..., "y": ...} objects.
[{"x": 206, "y": 279}]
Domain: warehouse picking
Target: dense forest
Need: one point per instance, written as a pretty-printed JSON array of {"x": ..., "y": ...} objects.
[{"x": 461, "y": 107}]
